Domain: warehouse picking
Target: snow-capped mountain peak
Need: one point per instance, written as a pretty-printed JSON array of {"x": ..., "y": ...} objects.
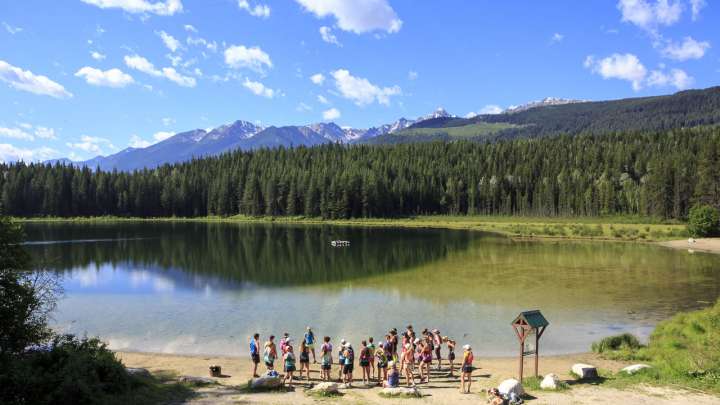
[{"x": 547, "y": 101}]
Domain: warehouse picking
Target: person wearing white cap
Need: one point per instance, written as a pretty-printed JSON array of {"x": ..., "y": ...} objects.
[
  {"x": 393, "y": 376},
  {"x": 341, "y": 359},
  {"x": 467, "y": 369},
  {"x": 349, "y": 355}
]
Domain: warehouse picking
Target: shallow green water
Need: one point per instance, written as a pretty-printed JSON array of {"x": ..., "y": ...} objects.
[{"x": 203, "y": 288}]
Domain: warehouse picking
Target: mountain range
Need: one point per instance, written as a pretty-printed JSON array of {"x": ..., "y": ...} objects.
[{"x": 547, "y": 117}]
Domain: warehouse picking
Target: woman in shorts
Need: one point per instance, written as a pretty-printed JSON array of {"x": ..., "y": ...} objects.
[
  {"x": 365, "y": 356},
  {"x": 270, "y": 353},
  {"x": 382, "y": 363},
  {"x": 349, "y": 356},
  {"x": 304, "y": 361},
  {"x": 467, "y": 369},
  {"x": 408, "y": 362},
  {"x": 289, "y": 358},
  {"x": 325, "y": 359},
  {"x": 451, "y": 354}
]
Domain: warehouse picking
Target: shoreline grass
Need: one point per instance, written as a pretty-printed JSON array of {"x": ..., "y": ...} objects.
[{"x": 619, "y": 228}]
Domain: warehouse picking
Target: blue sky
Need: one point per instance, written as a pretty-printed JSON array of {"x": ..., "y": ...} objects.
[{"x": 80, "y": 78}]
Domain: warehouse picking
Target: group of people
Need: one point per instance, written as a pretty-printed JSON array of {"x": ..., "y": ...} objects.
[{"x": 404, "y": 354}]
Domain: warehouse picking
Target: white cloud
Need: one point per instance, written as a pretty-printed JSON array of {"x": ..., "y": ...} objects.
[
  {"x": 254, "y": 58},
  {"x": 91, "y": 144},
  {"x": 259, "y": 10},
  {"x": 318, "y": 78},
  {"x": 412, "y": 75},
  {"x": 10, "y": 29},
  {"x": 358, "y": 16},
  {"x": 361, "y": 91},
  {"x": 45, "y": 133},
  {"x": 331, "y": 114},
  {"x": 26, "y": 80},
  {"x": 108, "y": 78},
  {"x": 491, "y": 109},
  {"x": 210, "y": 45},
  {"x": 322, "y": 99},
  {"x": 327, "y": 36},
  {"x": 696, "y": 6},
  {"x": 172, "y": 75},
  {"x": 258, "y": 88},
  {"x": 170, "y": 42},
  {"x": 649, "y": 14},
  {"x": 16, "y": 133},
  {"x": 162, "y": 135},
  {"x": 10, "y": 153},
  {"x": 165, "y": 8},
  {"x": 138, "y": 62},
  {"x": 557, "y": 37},
  {"x": 676, "y": 78},
  {"x": 97, "y": 55},
  {"x": 628, "y": 67},
  {"x": 190, "y": 28},
  {"x": 688, "y": 49},
  {"x": 619, "y": 66},
  {"x": 168, "y": 121},
  {"x": 137, "y": 142},
  {"x": 302, "y": 107}
]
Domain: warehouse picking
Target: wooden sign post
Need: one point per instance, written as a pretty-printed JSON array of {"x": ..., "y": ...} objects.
[{"x": 529, "y": 327}]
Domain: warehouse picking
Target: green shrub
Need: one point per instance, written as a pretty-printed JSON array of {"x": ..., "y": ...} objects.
[
  {"x": 617, "y": 342},
  {"x": 69, "y": 370},
  {"x": 703, "y": 220}
]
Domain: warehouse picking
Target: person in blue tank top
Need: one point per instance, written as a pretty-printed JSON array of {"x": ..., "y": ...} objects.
[
  {"x": 255, "y": 353},
  {"x": 310, "y": 342}
]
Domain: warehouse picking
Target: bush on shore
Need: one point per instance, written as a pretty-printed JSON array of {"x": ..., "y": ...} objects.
[{"x": 704, "y": 220}]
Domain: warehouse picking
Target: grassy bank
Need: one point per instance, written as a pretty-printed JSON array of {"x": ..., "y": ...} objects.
[
  {"x": 683, "y": 351},
  {"x": 601, "y": 228}
]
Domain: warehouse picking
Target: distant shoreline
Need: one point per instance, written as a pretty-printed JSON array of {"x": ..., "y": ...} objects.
[
  {"x": 635, "y": 229},
  {"x": 705, "y": 245}
]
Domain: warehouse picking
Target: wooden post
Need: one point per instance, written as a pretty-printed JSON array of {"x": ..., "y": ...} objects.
[
  {"x": 537, "y": 352},
  {"x": 522, "y": 357}
]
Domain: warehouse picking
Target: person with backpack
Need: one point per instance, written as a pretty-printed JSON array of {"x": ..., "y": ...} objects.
[
  {"x": 341, "y": 360},
  {"x": 310, "y": 342},
  {"x": 382, "y": 363},
  {"x": 255, "y": 353},
  {"x": 365, "y": 356},
  {"x": 349, "y": 355},
  {"x": 270, "y": 353}
]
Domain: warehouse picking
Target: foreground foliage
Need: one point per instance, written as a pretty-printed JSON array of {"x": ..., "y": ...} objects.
[
  {"x": 684, "y": 350},
  {"x": 704, "y": 220},
  {"x": 647, "y": 174}
]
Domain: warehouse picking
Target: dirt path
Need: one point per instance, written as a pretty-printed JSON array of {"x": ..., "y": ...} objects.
[
  {"x": 709, "y": 245},
  {"x": 440, "y": 390}
]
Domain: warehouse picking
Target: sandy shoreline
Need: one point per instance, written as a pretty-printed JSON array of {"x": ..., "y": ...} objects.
[
  {"x": 707, "y": 245},
  {"x": 441, "y": 389}
]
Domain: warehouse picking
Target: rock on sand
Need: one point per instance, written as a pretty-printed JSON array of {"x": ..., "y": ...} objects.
[
  {"x": 635, "y": 368},
  {"x": 511, "y": 385},
  {"x": 401, "y": 392},
  {"x": 550, "y": 382},
  {"x": 585, "y": 370}
]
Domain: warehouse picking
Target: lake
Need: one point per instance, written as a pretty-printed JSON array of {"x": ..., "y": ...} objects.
[{"x": 203, "y": 288}]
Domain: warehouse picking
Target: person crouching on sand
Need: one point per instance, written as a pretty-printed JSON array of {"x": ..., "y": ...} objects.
[
  {"x": 255, "y": 353},
  {"x": 304, "y": 361},
  {"x": 270, "y": 353},
  {"x": 393, "y": 376},
  {"x": 467, "y": 369},
  {"x": 289, "y": 358},
  {"x": 325, "y": 359}
]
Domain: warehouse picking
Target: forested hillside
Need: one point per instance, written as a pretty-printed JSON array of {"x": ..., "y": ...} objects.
[
  {"x": 681, "y": 110},
  {"x": 660, "y": 174}
]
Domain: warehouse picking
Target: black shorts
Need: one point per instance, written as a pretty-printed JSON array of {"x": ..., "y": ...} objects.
[
  {"x": 364, "y": 363},
  {"x": 468, "y": 369},
  {"x": 326, "y": 366},
  {"x": 255, "y": 358},
  {"x": 348, "y": 368},
  {"x": 451, "y": 356},
  {"x": 290, "y": 369}
]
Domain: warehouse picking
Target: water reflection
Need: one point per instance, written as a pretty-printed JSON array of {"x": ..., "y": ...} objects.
[{"x": 203, "y": 288}]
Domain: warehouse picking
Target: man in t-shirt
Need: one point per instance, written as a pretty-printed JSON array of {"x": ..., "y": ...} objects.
[
  {"x": 255, "y": 353},
  {"x": 310, "y": 342}
]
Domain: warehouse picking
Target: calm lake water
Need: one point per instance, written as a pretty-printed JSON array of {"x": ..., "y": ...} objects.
[{"x": 197, "y": 288}]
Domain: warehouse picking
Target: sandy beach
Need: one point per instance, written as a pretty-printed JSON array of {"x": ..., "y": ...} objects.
[
  {"x": 441, "y": 389},
  {"x": 708, "y": 245}
]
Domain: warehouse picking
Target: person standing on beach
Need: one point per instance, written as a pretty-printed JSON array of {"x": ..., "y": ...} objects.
[
  {"x": 426, "y": 358},
  {"x": 289, "y": 363},
  {"x": 371, "y": 346},
  {"x": 310, "y": 342},
  {"x": 382, "y": 362},
  {"x": 437, "y": 342},
  {"x": 467, "y": 369},
  {"x": 408, "y": 360},
  {"x": 326, "y": 359},
  {"x": 365, "y": 356},
  {"x": 341, "y": 359},
  {"x": 304, "y": 360},
  {"x": 451, "y": 354},
  {"x": 270, "y": 353},
  {"x": 349, "y": 355},
  {"x": 255, "y": 353}
]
